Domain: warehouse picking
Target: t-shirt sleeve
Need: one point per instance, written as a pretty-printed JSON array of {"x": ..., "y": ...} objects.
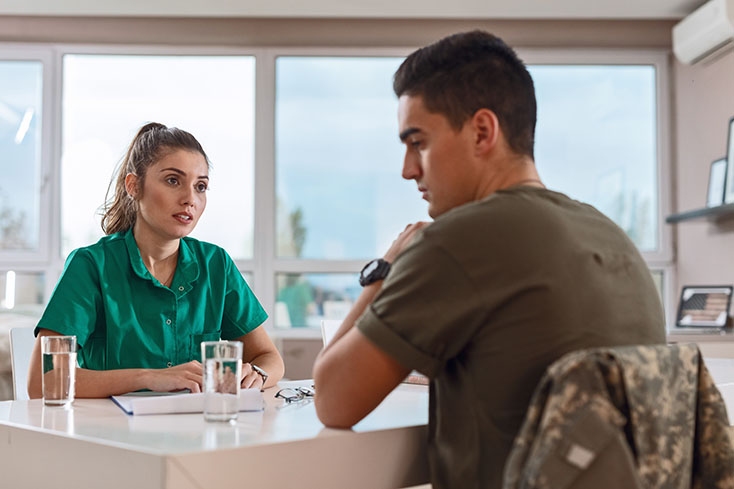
[
  {"x": 242, "y": 310},
  {"x": 75, "y": 302},
  {"x": 426, "y": 311}
]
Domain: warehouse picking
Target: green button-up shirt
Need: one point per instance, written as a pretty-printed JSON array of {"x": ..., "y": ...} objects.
[{"x": 124, "y": 318}]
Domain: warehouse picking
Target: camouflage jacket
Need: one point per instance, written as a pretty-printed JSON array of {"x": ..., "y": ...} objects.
[{"x": 626, "y": 417}]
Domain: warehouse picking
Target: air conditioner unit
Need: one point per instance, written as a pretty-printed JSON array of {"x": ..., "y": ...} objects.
[{"x": 706, "y": 32}]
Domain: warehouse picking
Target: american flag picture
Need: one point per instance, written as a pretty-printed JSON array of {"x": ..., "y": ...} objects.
[{"x": 704, "y": 306}]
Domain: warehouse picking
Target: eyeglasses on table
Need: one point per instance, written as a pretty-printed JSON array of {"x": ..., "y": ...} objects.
[{"x": 295, "y": 394}]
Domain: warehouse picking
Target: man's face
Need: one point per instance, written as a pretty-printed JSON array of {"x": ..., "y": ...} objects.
[{"x": 440, "y": 159}]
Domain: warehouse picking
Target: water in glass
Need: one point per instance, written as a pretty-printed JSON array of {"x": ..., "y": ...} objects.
[
  {"x": 221, "y": 385},
  {"x": 59, "y": 372}
]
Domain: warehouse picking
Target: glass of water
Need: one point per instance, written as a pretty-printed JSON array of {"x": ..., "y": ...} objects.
[
  {"x": 58, "y": 361},
  {"x": 222, "y": 361}
]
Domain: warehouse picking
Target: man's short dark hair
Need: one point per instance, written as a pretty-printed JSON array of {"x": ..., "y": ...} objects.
[{"x": 465, "y": 72}]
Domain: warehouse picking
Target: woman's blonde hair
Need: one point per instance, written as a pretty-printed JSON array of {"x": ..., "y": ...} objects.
[{"x": 152, "y": 142}]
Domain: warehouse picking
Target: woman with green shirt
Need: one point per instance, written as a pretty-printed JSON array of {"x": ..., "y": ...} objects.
[{"x": 142, "y": 299}]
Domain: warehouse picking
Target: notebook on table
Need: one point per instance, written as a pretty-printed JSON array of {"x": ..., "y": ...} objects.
[
  {"x": 139, "y": 403},
  {"x": 328, "y": 330}
]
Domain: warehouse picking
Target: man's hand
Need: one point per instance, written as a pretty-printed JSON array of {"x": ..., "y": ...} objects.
[
  {"x": 403, "y": 240},
  {"x": 184, "y": 376}
]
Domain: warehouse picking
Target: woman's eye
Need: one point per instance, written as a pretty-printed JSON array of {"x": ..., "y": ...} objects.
[
  {"x": 415, "y": 144},
  {"x": 202, "y": 187},
  {"x": 172, "y": 180}
]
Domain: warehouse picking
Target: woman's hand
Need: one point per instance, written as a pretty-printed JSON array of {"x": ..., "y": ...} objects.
[
  {"x": 250, "y": 378},
  {"x": 184, "y": 376}
]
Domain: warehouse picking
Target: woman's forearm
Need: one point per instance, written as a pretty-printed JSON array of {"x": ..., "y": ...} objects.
[
  {"x": 105, "y": 383},
  {"x": 272, "y": 363}
]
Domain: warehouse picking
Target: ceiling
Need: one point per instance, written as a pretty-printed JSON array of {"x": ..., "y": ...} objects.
[{"x": 479, "y": 9}]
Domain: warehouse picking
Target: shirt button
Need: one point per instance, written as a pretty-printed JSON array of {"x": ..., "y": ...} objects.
[
  {"x": 168, "y": 322},
  {"x": 169, "y": 365},
  {"x": 181, "y": 288}
]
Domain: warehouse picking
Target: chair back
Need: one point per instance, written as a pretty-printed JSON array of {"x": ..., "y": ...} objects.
[
  {"x": 21, "y": 346},
  {"x": 328, "y": 329},
  {"x": 648, "y": 415}
]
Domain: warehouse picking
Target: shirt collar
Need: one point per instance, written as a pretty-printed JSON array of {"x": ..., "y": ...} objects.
[{"x": 187, "y": 268}]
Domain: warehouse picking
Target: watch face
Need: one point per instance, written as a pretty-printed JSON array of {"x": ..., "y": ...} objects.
[{"x": 371, "y": 267}]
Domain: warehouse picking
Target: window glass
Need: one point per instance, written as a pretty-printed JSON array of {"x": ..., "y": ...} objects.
[
  {"x": 20, "y": 153},
  {"x": 306, "y": 299},
  {"x": 596, "y": 141},
  {"x": 107, "y": 98},
  {"x": 21, "y": 292},
  {"x": 339, "y": 194}
]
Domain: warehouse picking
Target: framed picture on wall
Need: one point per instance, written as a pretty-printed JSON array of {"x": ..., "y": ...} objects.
[
  {"x": 717, "y": 180},
  {"x": 706, "y": 306},
  {"x": 729, "y": 193}
]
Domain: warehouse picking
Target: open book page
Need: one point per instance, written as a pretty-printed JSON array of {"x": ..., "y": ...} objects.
[{"x": 170, "y": 403}]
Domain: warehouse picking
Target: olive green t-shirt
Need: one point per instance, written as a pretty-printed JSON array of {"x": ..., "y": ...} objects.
[
  {"x": 490, "y": 295},
  {"x": 124, "y": 318}
]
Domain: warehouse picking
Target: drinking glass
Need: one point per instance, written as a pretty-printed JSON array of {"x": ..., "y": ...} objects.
[
  {"x": 222, "y": 361},
  {"x": 58, "y": 359}
]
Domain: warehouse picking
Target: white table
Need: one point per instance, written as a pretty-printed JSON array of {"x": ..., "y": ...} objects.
[{"x": 95, "y": 444}]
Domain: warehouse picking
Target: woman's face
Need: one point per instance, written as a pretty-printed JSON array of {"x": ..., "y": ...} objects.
[{"x": 173, "y": 196}]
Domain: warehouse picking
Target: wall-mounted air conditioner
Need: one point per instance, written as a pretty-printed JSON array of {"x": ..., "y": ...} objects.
[{"x": 706, "y": 32}]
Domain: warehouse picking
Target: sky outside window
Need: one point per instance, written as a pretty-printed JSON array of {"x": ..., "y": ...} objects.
[
  {"x": 20, "y": 153},
  {"x": 107, "y": 98}
]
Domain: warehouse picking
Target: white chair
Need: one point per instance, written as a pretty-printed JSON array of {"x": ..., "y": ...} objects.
[
  {"x": 328, "y": 329},
  {"x": 21, "y": 346},
  {"x": 336, "y": 309}
]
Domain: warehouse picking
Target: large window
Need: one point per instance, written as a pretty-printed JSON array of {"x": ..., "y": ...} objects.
[
  {"x": 306, "y": 160},
  {"x": 338, "y": 159},
  {"x": 596, "y": 141},
  {"x": 21, "y": 90},
  {"x": 106, "y": 98}
]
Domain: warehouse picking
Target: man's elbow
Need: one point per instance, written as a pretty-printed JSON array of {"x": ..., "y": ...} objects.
[
  {"x": 331, "y": 414},
  {"x": 330, "y": 409}
]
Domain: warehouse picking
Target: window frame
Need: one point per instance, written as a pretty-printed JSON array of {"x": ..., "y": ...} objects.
[
  {"x": 265, "y": 265},
  {"x": 662, "y": 259},
  {"x": 37, "y": 260}
]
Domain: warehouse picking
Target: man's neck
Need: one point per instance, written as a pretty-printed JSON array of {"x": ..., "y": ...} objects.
[{"x": 519, "y": 171}]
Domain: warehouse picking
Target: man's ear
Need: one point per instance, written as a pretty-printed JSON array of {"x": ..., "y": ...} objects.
[
  {"x": 131, "y": 184},
  {"x": 486, "y": 131}
]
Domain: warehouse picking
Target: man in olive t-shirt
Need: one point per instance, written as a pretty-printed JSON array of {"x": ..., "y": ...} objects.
[{"x": 508, "y": 278}]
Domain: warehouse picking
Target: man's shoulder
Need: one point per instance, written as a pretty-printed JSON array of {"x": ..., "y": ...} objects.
[
  {"x": 511, "y": 202},
  {"x": 502, "y": 212}
]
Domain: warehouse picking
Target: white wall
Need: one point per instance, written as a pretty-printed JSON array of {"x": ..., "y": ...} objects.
[
  {"x": 476, "y": 9},
  {"x": 703, "y": 103}
]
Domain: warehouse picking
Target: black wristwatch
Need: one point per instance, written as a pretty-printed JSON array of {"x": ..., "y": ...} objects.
[{"x": 372, "y": 272}]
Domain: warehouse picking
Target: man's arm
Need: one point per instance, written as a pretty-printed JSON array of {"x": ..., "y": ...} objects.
[{"x": 341, "y": 401}]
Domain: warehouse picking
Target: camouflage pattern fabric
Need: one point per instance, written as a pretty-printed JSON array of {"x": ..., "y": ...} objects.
[{"x": 625, "y": 417}]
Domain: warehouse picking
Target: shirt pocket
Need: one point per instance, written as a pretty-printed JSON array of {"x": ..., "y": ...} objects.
[{"x": 195, "y": 346}]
